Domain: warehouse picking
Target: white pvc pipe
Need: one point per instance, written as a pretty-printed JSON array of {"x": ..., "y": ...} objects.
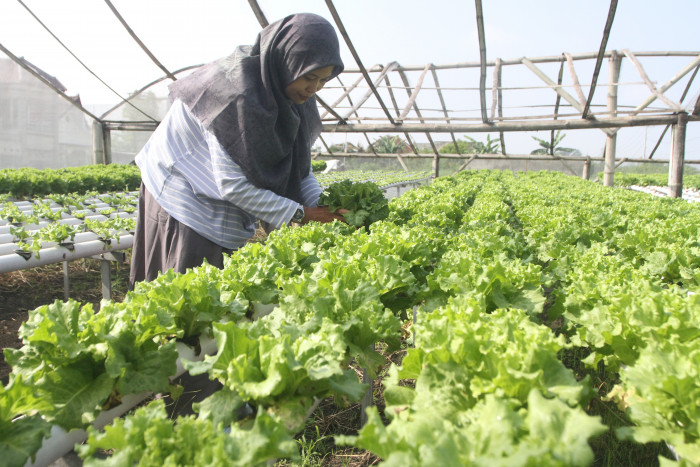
[
  {"x": 8, "y": 248},
  {"x": 9, "y": 263},
  {"x": 60, "y": 442}
]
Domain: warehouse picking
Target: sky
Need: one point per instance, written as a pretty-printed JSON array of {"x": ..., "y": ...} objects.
[{"x": 181, "y": 33}]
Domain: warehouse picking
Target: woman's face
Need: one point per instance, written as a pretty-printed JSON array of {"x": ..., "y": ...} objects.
[{"x": 304, "y": 87}]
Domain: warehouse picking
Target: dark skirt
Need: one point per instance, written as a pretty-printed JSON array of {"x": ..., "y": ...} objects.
[{"x": 161, "y": 242}]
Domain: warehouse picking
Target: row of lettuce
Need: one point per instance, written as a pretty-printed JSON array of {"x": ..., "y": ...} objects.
[
  {"x": 33, "y": 226},
  {"x": 655, "y": 179},
  {"x": 485, "y": 259},
  {"x": 28, "y": 183}
]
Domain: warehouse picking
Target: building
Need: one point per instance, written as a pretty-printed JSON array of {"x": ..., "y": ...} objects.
[{"x": 38, "y": 127}]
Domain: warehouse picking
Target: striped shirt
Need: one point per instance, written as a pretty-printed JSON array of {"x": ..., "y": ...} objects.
[{"x": 192, "y": 177}]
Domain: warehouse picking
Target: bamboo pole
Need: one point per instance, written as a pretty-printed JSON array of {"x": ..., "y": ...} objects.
[
  {"x": 498, "y": 85},
  {"x": 436, "y": 158},
  {"x": 599, "y": 58},
  {"x": 685, "y": 93},
  {"x": 408, "y": 137},
  {"x": 466, "y": 163},
  {"x": 346, "y": 94},
  {"x": 619, "y": 122},
  {"x": 611, "y": 141},
  {"x": 98, "y": 143},
  {"x": 540, "y": 59},
  {"x": 558, "y": 89},
  {"x": 687, "y": 69},
  {"x": 373, "y": 91},
  {"x": 442, "y": 104},
  {"x": 412, "y": 97},
  {"x": 107, "y": 135},
  {"x": 586, "y": 169},
  {"x": 139, "y": 42},
  {"x": 574, "y": 78},
  {"x": 259, "y": 15},
  {"x": 560, "y": 77},
  {"x": 495, "y": 88},
  {"x": 482, "y": 59},
  {"x": 355, "y": 55},
  {"x": 497, "y": 157},
  {"x": 675, "y": 166},
  {"x": 544, "y": 125}
]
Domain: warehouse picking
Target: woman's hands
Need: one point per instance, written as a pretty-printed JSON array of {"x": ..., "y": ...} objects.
[{"x": 322, "y": 214}]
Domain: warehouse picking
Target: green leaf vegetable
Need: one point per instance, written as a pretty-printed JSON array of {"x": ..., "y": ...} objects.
[{"x": 365, "y": 202}]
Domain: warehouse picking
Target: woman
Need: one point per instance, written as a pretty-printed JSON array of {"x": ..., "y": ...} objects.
[{"x": 234, "y": 148}]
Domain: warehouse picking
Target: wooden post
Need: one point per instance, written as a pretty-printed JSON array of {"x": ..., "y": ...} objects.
[
  {"x": 98, "y": 143},
  {"x": 66, "y": 281},
  {"x": 611, "y": 142},
  {"x": 587, "y": 169},
  {"x": 436, "y": 166},
  {"x": 675, "y": 166},
  {"x": 108, "y": 145}
]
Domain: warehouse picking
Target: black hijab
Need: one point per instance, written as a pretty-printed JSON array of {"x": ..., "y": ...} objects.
[{"x": 241, "y": 100}]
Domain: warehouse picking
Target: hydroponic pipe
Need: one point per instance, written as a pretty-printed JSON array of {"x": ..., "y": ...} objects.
[{"x": 57, "y": 254}]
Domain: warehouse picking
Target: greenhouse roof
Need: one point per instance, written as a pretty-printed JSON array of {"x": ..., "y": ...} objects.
[{"x": 452, "y": 69}]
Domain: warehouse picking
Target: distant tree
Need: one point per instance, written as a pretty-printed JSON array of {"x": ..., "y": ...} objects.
[
  {"x": 472, "y": 146},
  {"x": 552, "y": 147},
  {"x": 390, "y": 144}
]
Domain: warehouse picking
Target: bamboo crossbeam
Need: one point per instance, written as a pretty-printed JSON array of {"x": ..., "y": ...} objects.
[
  {"x": 640, "y": 69},
  {"x": 579, "y": 124},
  {"x": 687, "y": 69},
  {"x": 414, "y": 94},
  {"x": 552, "y": 135},
  {"x": 557, "y": 88},
  {"x": 442, "y": 104},
  {"x": 683, "y": 96},
  {"x": 541, "y": 59},
  {"x": 574, "y": 78},
  {"x": 139, "y": 42},
  {"x": 466, "y": 163},
  {"x": 506, "y": 126},
  {"x": 498, "y": 157},
  {"x": 373, "y": 91},
  {"x": 436, "y": 157},
  {"x": 600, "y": 57},
  {"x": 391, "y": 95},
  {"x": 344, "y": 33},
  {"x": 482, "y": 59},
  {"x": 346, "y": 94},
  {"x": 406, "y": 135},
  {"x": 441, "y": 119}
]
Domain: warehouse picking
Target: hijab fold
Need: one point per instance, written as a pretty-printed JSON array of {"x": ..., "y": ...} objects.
[{"x": 240, "y": 99}]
